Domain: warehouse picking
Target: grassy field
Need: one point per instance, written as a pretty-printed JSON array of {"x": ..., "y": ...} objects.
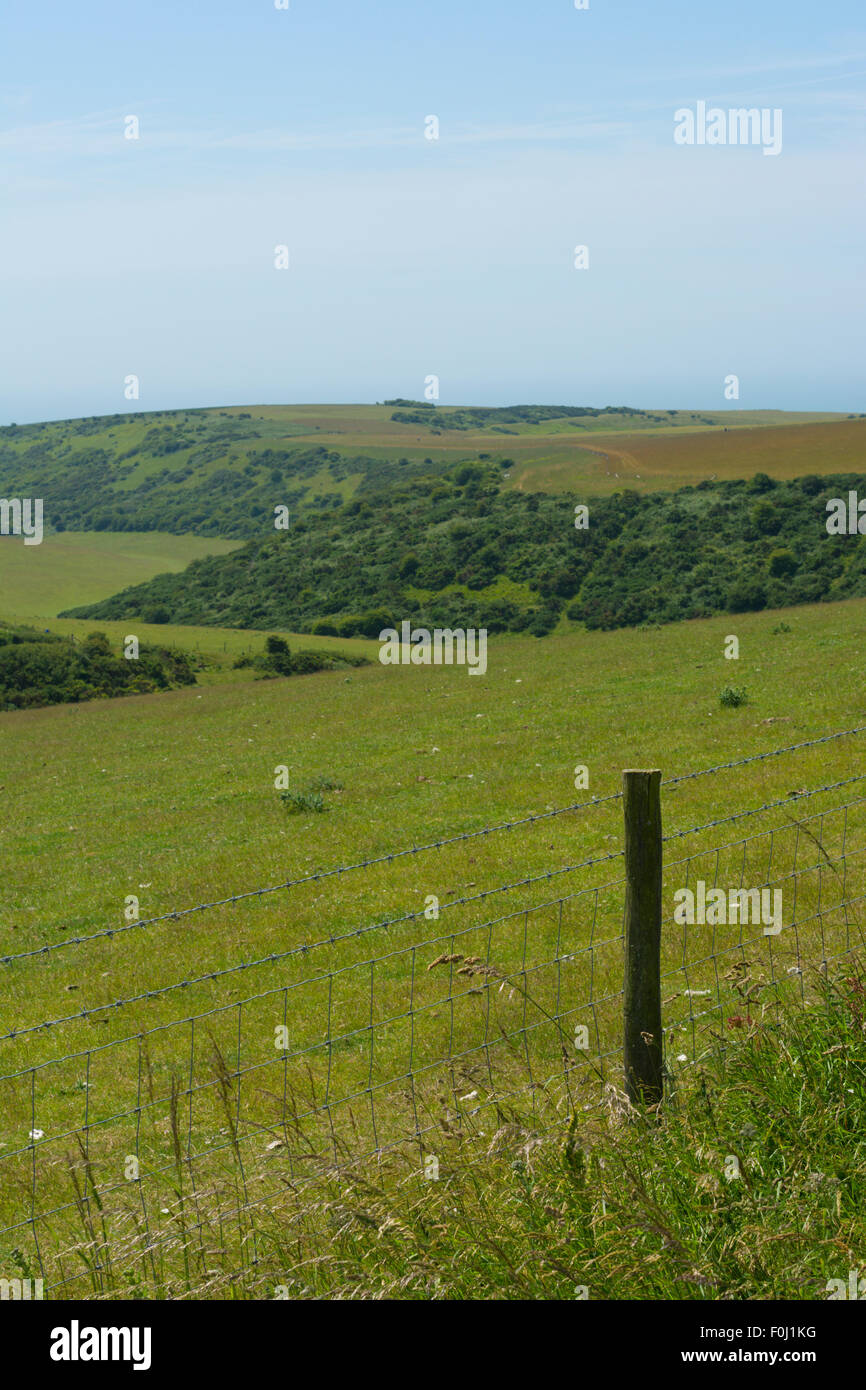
[
  {"x": 41, "y": 581},
  {"x": 599, "y": 454},
  {"x": 660, "y": 459},
  {"x": 594, "y": 455},
  {"x": 171, "y": 798},
  {"x": 37, "y": 582}
]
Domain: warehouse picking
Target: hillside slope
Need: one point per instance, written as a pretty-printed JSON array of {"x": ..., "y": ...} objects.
[
  {"x": 85, "y": 566},
  {"x": 221, "y": 472},
  {"x": 459, "y": 552}
]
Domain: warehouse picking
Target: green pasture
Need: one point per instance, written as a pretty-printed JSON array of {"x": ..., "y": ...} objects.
[
  {"x": 172, "y": 798},
  {"x": 69, "y": 567},
  {"x": 596, "y": 455}
]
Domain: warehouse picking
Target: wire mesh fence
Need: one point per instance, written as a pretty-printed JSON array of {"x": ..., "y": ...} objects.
[{"x": 149, "y": 1131}]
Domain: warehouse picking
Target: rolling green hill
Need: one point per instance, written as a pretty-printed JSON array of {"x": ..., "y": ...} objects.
[
  {"x": 222, "y": 472},
  {"x": 459, "y": 552},
  {"x": 451, "y": 516}
]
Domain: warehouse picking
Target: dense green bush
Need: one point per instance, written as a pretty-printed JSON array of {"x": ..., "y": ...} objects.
[
  {"x": 277, "y": 660},
  {"x": 472, "y": 555},
  {"x": 38, "y": 668},
  {"x": 733, "y": 696}
]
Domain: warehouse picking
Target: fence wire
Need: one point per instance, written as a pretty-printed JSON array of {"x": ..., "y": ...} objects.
[{"x": 127, "y": 1158}]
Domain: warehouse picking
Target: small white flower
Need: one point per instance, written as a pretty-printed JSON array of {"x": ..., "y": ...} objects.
[
  {"x": 37, "y": 1134},
  {"x": 682, "y": 1057}
]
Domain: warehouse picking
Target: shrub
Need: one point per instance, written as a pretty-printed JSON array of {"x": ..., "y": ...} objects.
[
  {"x": 39, "y": 669},
  {"x": 732, "y": 696},
  {"x": 762, "y": 482},
  {"x": 304, "y": 663},
  {"x": 408, "y": 566},
  {"x": 766, "y": 519},
  {"x": 782, "y": 564},
  {"x": 278, "y": 657},
  {"x": 811, "y": 484},
  {"x": 310, "y": 798},
  {"x": 298, "y": 803},
  {"x": 748, "y": 597},
  {"x": 542, "y": 621}
]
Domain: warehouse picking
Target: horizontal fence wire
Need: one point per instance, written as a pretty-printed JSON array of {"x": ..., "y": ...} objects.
[
  {"x": 276, "y": 956},
  {"x": 339, "y": 870},
  {"x": 131, "y": 1156}
]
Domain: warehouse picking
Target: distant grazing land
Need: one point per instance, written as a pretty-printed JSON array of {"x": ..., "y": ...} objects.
[
  {"x": 448, "y": 515},
  {"x": 220, "y": 472},
  {"x": 82, "y": 567}
]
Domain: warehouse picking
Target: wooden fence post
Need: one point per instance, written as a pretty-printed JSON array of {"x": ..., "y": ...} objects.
[{"x": 643, "y": 925}]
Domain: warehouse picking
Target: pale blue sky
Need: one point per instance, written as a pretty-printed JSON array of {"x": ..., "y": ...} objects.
[{"x": 410, "y": 257}]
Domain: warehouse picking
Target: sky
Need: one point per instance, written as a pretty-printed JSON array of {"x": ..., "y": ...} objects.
[{"x": 409, "y": 257}]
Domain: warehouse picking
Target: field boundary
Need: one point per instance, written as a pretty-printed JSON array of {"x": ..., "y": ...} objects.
[{"x": 335, "y": 1061}]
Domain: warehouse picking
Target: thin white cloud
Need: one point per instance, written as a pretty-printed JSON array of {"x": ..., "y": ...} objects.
[{"x": 100, "y": 134}]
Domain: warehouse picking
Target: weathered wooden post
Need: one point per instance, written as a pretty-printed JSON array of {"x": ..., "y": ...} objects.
[{"x": 643, "y": 929}]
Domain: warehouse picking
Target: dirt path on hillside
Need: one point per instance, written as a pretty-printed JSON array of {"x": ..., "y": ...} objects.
[
  {"x": 618, "y": 463},
  {"x": 627, "y": 463}
]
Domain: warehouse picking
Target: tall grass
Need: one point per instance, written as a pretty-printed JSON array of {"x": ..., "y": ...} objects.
[{"x": 748, "y": 1182}]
